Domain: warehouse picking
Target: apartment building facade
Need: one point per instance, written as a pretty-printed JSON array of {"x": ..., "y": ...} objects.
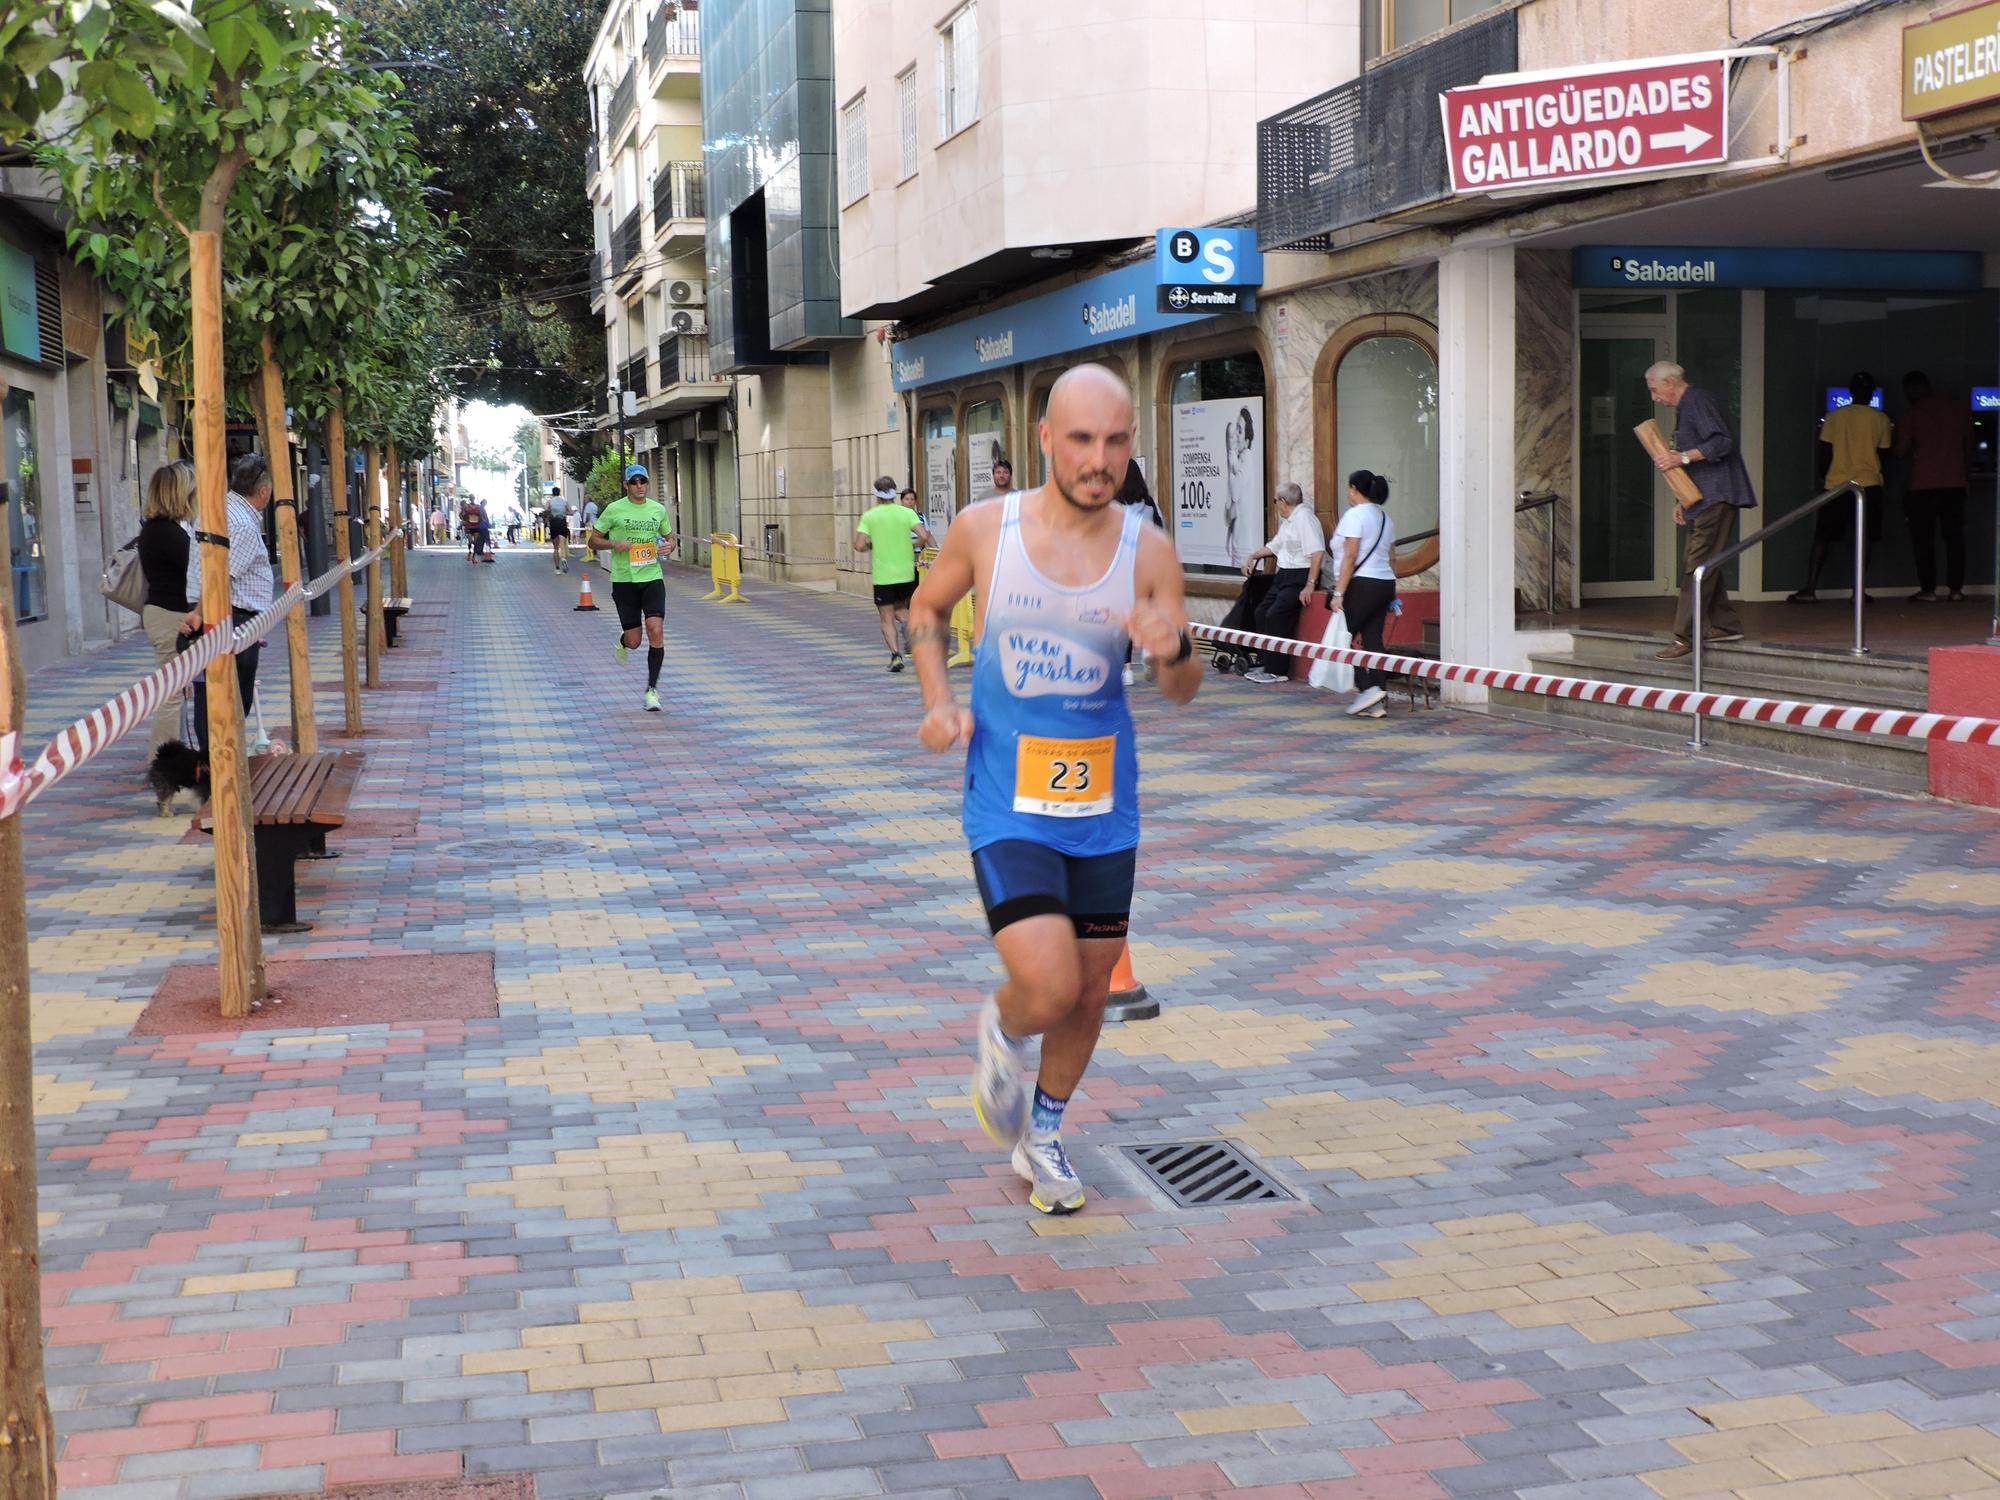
[{"x": 663, "y": 400}]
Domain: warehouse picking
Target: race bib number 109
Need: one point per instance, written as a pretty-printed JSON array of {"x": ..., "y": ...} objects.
[
  {"x": 642, "y": 553},
  {"x": 1062, "y": 778}
]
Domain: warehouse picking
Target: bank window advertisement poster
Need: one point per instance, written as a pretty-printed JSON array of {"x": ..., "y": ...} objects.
[
  {"x": 940, "y": 465},
  {"x": 982, "y": 452},
  {"x": 1218, "y": 480}
]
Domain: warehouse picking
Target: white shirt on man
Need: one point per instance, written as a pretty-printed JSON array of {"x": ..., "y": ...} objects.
[
  {"x": 250, "y": 580},
  {"x": 1369, "y": 524},
  {"x": 1299, "y": 536}
]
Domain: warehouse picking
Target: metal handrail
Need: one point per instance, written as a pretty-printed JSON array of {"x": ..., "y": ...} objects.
[
  {"x": 1736, "y": 549},
  {"x": 1530, "y": 500}
]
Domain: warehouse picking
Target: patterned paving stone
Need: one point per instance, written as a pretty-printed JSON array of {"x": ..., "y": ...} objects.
[{"x": 1639, "y": 1111}]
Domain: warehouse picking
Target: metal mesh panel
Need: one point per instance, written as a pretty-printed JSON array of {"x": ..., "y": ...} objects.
[{"x": 1373, "y": 146}]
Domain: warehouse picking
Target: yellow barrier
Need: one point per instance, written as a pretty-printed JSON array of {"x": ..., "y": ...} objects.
[
  {"x": 725, "y": 568},
  {"x": 962, "y": 616}
]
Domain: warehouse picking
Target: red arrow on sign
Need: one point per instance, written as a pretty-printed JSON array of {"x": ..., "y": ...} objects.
[{"x": 1623, "y": 120}]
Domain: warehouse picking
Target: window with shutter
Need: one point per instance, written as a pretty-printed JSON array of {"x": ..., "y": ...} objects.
[
  {"x": 854, "y": 150},
  {"x": 906, "y": 123},
  {"x": 958, "y": 72}
]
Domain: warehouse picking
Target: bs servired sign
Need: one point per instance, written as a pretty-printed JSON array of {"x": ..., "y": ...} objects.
[{"x": 1627, "y": 120}]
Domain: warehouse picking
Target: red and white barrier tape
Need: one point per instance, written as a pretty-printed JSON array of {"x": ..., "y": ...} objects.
[
  {"x": 110, "y": 722},
  {"x": 1901, "y": 723}
]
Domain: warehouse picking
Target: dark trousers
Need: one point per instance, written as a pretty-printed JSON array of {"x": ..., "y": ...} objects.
[
  {"x": 1929, "y": 512},
  {"x": 246, "y": 677},
  {"x": 1366, "y": 605},
  {"x": 1707, "y": 535},
  {"x": 1277, "y": 614}
]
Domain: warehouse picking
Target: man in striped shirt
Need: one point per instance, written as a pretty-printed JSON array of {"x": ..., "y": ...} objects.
[{"x": 251, "y": 586}]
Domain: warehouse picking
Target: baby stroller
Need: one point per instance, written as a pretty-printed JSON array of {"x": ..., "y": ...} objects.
[{"x": 1242, "y": 616}]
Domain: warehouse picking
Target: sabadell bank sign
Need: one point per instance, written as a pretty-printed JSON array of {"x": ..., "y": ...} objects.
[{"x": 1119, "y": 304}]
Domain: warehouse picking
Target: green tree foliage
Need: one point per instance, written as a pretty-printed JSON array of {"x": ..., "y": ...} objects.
[
  {"x": 495, "y": 93},
  {"x": 92, "y": 68},
  {"x": 606, "y": 480}
]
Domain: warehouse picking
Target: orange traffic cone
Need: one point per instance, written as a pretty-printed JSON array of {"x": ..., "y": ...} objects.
[
  {"x": 586, "y": 602},
  {"x": 1129, "y": 1000}
]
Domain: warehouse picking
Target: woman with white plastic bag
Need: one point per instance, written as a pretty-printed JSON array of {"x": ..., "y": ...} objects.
[
  {"x": 1364, "y": 552},
  {"x": 1333, "y": 676}
]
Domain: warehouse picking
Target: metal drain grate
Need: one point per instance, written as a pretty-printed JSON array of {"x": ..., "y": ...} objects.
[
  {"x": 1199, "y": 1173},
  {"x": 499, "y": 851}
]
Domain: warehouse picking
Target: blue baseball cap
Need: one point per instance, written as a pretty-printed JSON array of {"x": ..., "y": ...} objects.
[{"x": 636, "y": 471}]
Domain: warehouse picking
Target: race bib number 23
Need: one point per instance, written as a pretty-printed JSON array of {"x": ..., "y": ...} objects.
[{"x": 1062, "y": 778}]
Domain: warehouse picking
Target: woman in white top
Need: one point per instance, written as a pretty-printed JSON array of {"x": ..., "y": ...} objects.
[
  {"x": 1299, "y": 547},
  {"x": 1365, "y": 585}
]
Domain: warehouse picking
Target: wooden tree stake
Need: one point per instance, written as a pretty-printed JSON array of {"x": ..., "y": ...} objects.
[
  {"x": 399, "y": 573},
  {"x": 374, "y": 537},
  {"x": 278, "y": 449},
  {"x": 336, "y": 459}
]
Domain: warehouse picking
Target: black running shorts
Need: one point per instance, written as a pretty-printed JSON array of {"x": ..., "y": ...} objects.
[
  {"x": 897, "y": 594},
  {"x": 1019, "y": 878},
  {"x": 634, "y": 600}
]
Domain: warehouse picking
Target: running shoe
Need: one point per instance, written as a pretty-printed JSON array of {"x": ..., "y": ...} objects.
[
  {"x": 999, "y": 1093},
  {"x": 1377, "y": 712},
  {"x": 1128, "y": 674},
  {"x": 1053, "y": 1187},
  {"x": 895, "y": 662},
  {"x": 1366, "y": 699},
  {"x": 1260, "y": 675},
  {"x": 652, "y": 700},
  {"x": 620, "y": 653}
]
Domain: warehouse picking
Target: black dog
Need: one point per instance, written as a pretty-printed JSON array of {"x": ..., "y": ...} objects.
[{"x": 177, "y": 768}]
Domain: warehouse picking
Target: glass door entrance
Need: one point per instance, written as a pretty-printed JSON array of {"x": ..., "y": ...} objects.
[{"x": 1625, "y": 543}]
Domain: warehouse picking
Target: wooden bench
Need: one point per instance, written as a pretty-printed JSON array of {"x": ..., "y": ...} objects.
[
  {"x": 392, "y": 611},
  {"x": 294, "y": 800}
]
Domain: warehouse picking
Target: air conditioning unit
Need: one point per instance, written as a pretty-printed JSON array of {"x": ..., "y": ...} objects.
[
  {"x": 687, "y": 293},
  {"x": 688, "y": 320}
]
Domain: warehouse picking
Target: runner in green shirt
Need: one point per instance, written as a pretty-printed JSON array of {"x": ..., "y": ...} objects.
[
  {"x": 633, "y": 530},
  {"x": 884, "y": 532}
]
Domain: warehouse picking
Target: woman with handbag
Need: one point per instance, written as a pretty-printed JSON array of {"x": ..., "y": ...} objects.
[
  {"x": 163, "y": 545},
  {"x": 1364, "y": 544}
]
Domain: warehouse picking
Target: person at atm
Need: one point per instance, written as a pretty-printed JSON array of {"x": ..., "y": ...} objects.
[
  {"x": 1852, "y": 440},
  {"x": 1934, "y": 438}
]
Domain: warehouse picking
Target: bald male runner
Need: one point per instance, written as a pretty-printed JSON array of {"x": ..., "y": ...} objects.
[{"x": 1066, "y": 576}]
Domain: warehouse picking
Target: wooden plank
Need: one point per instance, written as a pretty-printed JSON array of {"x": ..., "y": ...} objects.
[
  {"x": 278, "y": 452},
  {"x": 336, "y": 462}
]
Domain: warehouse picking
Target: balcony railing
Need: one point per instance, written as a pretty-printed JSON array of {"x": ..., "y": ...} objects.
[
  {"x": 679, "y": 192},
  {"x": 624, "y": 99},
  {"x": 672, "y": 32},
  {"x": 625, "y": 244},
  {"x": 683, "y": 358},
  {"x": 632, "y": 375}
]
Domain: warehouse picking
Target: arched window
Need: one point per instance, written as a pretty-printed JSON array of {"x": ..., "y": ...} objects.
[{"x": 1375, "y": 406}]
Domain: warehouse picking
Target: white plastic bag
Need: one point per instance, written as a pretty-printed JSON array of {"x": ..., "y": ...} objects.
[{"x": 1334, "y": 676}]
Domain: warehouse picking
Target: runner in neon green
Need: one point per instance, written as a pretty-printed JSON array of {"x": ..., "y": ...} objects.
[
  {"x": 884, "y": 532},
  {"x": 633, "y": 530}
]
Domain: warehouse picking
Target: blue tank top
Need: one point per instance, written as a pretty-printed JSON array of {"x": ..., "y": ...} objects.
[{"x": 1052, "y": 758}]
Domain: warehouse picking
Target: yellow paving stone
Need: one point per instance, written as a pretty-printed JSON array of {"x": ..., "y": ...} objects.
[
  {"x": 1210, "y": 782},
  {"x": 891, "y": 1010},
  {"x": 947, "y": 864},
  {"x": 1079, "y": 1224},
  {"x": 93, "y": 950},
  {"x": 1575, "y": 926},
  {"x": 281, "y": 1137},
  {"x": 1953, "y": 1476},
  {"x": 1824, "y": 1460},
  {"x": 578, "y": 884},
  {"x": 1690, "y": 812},
  {"x": 919, "y": 829},
  {"x": 1225, "y": 1038},
  {"x": 1373, "y": 1138},
  {"x": 1843, "y": 1487},
  {"x": 1213, "y": 1419},
  {"x": 624, "y": 1069},
  {"x": 1577, "y": 1049},
  {"x": 737, "y": 1377},
  {"x": 1772, "y": 990},
  {"x": 1950, "y": 888},
  {"x": 240, "y": 1281},
  {"x": 1464, "y": 877},
  {"x": 63, "y": 1013},
  {"x": 1840, "y": 848},
  {"x": 1889, "y": 1063},
  {"x": 1720, "y": 1477},
  {"x": 1551, "y": 1286},
  {"x": 1161, "y": 963},
  {"x": 655, "y": 1182},
  {"x": 1488, "y": 760},
  {"x": 604, "y": 988},
  {"x": 1592, "y": 787},
  {"x": 1250, "y": 808},
  {"x": 154, "y": 859},
  {"x": 1849, "y": 1427},
  {"x": 125, "y": 898},
  {"x": 56, "y": 1098},
  {"x": 1765, "y": 1161},
  {"x": 1342, "y": 837}
]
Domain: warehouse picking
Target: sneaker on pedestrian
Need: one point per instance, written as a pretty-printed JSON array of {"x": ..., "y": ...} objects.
[
  {"x": 1258, "y": 674},
  {"x": 652, "y": 700},
  {"x": 1377, "y": 712},
  {"x": 1364, "y": 700},
  {"x": 999, "y": 1093},
  {"x": 895, "y": 661},
  {"x": 620, "y": 653},
  {"x": 1128, "y": 674},
  {"x": 1052, "y": 1182}
]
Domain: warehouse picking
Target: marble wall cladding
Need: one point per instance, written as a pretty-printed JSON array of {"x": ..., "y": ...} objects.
[
  {"x": 1544, "y": 421},
  {"x": 1297, "y": 326}
]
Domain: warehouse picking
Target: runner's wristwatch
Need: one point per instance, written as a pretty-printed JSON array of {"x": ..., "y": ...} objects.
[{"x": 1187, "y": 649}]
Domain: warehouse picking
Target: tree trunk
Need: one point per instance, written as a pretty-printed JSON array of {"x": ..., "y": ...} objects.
[
  {"x": 336, "y": 462},
  {"x": 373, "y": 517},
  {"x": 239, "y": 943},
  {"x": 278, "y": 449},
  {"x": 399, "y": 572},
  {"x": 27, "y": 1442}
]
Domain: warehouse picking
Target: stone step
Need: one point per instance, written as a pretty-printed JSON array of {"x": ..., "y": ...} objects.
[{"x": 1780, "y": 671}]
